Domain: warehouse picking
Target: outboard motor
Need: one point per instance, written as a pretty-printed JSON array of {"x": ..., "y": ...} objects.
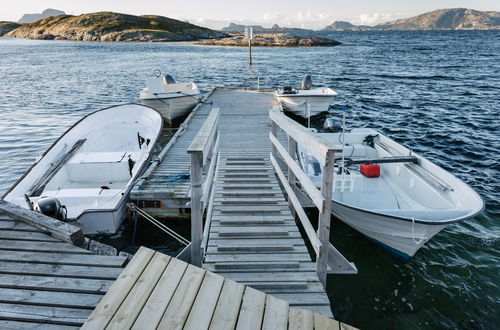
[
  {"x": 51, "y": 207},
  {"x": 333, "y": 125},
  {"x": 169, "y": 79},
  {"x": 306, "y": 83}
]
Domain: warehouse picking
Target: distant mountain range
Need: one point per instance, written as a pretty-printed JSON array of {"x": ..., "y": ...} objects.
[
  {"x": 30, "y": 18},
  {"x": 441, "y": 19}
]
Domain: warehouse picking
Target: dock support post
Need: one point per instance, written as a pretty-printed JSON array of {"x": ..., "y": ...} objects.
[
  {"x": 196, "y": 209},
  {"x": 325, "y": 216}
]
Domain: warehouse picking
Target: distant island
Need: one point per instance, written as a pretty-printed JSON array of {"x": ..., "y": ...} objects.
[
  {"x": 441, "y": 19},
  {"x": 109, "y": 26},
  {"x": 30, "y": 18},
  {"x": 271, "y": 40}
]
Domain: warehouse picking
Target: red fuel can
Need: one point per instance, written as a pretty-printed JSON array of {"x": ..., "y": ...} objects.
[{"x": 370, "y": 170}]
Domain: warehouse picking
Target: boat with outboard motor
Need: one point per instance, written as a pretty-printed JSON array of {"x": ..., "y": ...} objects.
[
  {"x": 168, "y": 97},
  {"x": 306, "y": 101},
  {"x": 90, "y": 170},
  {"x": 401, "y": 200}
]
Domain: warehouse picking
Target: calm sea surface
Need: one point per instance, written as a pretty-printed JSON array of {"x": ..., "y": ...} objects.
[{"x": 436, "y": 92}]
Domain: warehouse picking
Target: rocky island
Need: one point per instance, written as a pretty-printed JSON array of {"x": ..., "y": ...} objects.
[
  {"x": 109, "y": 26},
  {"x": 271, "y": 40},
  {"x": 440, "y": 19}
]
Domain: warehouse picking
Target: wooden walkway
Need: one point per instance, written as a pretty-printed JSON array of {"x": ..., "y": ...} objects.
[
  {"x": 253, "y": 236},
  {"x": 156, "y": 291},
  {"x": 46, "y": 283}
]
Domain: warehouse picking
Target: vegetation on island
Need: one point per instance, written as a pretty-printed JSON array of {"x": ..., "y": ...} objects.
[{"x": 109, "y": 26}]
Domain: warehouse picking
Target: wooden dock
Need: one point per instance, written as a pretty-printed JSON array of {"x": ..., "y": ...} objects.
[
  {"x": 156, "y": 291},
  {"x": 224, "y": 166},
  {"x": 45, "y": 282}
]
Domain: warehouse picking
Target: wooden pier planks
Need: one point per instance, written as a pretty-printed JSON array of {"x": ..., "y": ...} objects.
[
  {"x": 186, "y": 297},
  {"x": 46, "y": 283},
  {"x": 251, "y": 221}
]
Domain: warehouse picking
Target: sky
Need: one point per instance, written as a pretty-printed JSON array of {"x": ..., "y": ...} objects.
[{"x": 311, "y": 14}]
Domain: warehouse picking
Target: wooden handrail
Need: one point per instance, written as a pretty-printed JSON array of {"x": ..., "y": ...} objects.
[
  {"x": 328, "y": 259},
  {"x": 203, "y": 140},
  {"x": 312, "y": 143},
  {"x": 205, "y": 143}
]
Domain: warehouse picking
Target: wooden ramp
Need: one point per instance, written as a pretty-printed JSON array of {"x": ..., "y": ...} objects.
[
  {"x": 253, "y": 237},
  {"x": 46, "y": 283},
  {"x": 156, "y": 291}
]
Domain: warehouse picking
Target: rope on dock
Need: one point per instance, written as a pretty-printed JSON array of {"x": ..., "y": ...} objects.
[{"x": 158, "y": 224}]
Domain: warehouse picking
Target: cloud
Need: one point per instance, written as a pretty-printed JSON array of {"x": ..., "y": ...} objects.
[{"x": 376, "y": 18}]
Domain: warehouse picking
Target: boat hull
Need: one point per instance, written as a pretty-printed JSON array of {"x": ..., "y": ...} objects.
[
  {"x": 172, "y": 108},
  {"x": 92, "y": 167},
  {"x": 304, "y": 106},
  {"x": 403, "y": 238}
]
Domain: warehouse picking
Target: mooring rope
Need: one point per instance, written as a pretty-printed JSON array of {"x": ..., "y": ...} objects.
[{"x": 158, "y": 224}]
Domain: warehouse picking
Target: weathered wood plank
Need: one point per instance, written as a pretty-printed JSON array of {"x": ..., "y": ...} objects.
[
  {"x": 56, "y": 228},
  {"x": 11, "y": 224},
  {"x": 161, "y": 296},
  {"x": 50, "y": 298},
  {"x": 275, "y": 314},
  {"x": 19, "y": 325},
  {"x": 228, "y": 306},
  {"x": 204, "y": 306},
  {"x": 91, "y": 272},
  {"x": 132, "y": 305},
  {"x": 325, "y": 323},
  {"x": 59, "y": 247},
  {"x": 300, "y": 319},
  {"x": 178, "y": 310},
  {"x": 61, "y": 284},
  {"x": 110, "y": 303},
  {"x": 63, "y": 258},
  {"x": 26, "y": 236},
  {"x": 252, "y": 310},
  {"x": 58, "y": 315}
]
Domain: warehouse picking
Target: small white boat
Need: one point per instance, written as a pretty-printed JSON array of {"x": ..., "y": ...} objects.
[
  {"x": 411, "y": 201},
  {"x": 306, "y": 101},
  {"x": 171, "y": 99},
  {"x": 91, "y": 168}
]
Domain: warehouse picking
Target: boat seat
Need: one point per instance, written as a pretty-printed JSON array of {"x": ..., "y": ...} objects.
[
  {"x": 155, "y": 85},
  {"x": 99, "y": 167}
]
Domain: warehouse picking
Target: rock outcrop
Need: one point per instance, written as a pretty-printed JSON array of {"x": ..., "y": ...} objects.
[
  {"x": 271, "y": 40},
  {"x": 6, "y": 27},
  {"x": 109, "y": 26}
]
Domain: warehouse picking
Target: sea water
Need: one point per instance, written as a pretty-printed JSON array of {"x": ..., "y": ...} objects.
[{"x": 435, "y": 92}]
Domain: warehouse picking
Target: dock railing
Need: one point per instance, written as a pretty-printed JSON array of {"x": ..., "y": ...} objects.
[
  {"x": 204, "y": 151},
  {"x": 328, "y": 259}
]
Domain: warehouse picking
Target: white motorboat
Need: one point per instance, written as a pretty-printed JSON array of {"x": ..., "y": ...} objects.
[
  {"x": 306, "y": 101},
  {"x": 91, "y": 168},
  {"x": 411, "y": 201},
  {"x": 171, "y": 99}
]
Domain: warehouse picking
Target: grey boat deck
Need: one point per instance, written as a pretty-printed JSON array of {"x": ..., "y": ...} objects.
[
  {"x": 253, "y": 237},
  {"x": 46, "y": 283}
]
